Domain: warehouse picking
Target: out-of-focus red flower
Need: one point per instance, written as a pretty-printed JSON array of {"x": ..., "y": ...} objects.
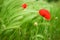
[
  {"x": 45, "y": 13},
  {"x": 24, "y": 5}
]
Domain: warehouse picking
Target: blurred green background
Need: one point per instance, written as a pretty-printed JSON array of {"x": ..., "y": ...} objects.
[{"x": 17, "y": 23}]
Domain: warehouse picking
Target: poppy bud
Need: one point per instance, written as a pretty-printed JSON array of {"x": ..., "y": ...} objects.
[
  {"x": 24, "y": 6},
  {"x": 45, "y": 13}
]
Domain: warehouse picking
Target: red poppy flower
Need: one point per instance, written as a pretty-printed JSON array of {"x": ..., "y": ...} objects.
[
  {"x": 24, "y": 5},
  {"x": 45, "y": 13}
]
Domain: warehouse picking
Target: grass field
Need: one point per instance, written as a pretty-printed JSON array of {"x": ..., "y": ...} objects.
[{"x": 17, "y": 23}]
